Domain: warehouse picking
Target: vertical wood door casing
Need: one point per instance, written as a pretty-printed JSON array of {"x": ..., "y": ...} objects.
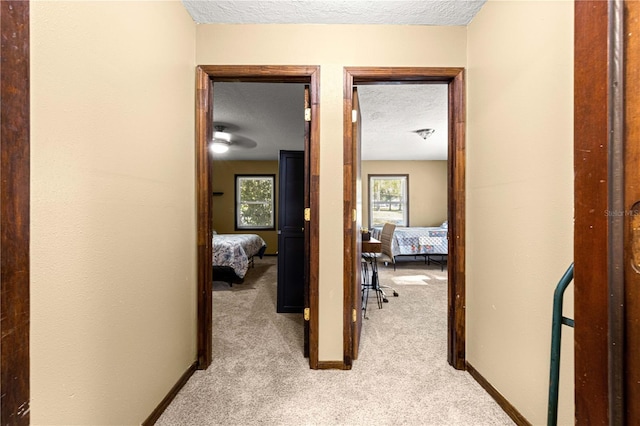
[
  {"x": 456, "y": 311},
  {"x": 350, "y": 342},
  {"x": 590, "y": 204},
  {"x": 454, "y": 77},
  {"x": 307, "y": 238},
  {"x": 631, "y": 372},
  {"x": 14, "y": 212},
  {"x": 204, "y": 131},
  {"x": 356, "y": 222},
  {"x": 207, "y": 75}
]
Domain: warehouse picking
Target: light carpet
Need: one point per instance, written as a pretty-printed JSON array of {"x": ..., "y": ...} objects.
[{"x": 260, "y": 377}]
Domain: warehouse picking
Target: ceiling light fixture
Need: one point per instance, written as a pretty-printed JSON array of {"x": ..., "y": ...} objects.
[
  {"x": 424, "y": 133},
  {"x": 221, "y": 140}
]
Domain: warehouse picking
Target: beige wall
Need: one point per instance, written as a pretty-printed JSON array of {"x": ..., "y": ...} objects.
[
  {"x": 113, "y": 206},
  {"x": 520, "y": 196},
  {"x": 332, "y": 47},
  {"x": 223, "y": 206},
  {"x": 113, "y": 283},
  {"x": 427, "y": 189}
]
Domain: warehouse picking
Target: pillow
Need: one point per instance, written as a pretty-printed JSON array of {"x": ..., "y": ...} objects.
[{"x": 444, "y": 225}]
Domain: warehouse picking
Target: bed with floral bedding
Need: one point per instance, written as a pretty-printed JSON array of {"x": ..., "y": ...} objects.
[{"x": 233, "y": 254}]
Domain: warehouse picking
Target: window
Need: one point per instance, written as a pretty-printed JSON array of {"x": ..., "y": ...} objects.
[
  {"x": 388, "y": 200},
  {"x": 255, "y": 201}
]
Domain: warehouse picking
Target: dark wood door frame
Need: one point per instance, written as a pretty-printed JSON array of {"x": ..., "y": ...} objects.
[
  {"x": 606, "y": 157},
  {"x": 454, "y": 77},
  {"x": 206, "y": 75},
  {"x": 592, "y": 91},
  {"x": 631, "y": 131},
  {"x": 14, "y": 211}
]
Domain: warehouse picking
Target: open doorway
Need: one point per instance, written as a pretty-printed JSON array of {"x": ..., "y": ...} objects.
[
  {"x": 208, "y": 78},
  {"x": 257, "y": 168},
  {"x": 403, "y": 175},
  {"x": 453, "y": 79}
]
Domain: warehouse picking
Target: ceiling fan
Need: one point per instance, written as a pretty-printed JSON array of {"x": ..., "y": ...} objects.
[{"x": 223, "y": 140}]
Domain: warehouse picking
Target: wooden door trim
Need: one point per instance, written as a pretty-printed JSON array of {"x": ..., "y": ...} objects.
[
  {"x": 591, "y": 144},
  {"x": 350, "y": 238},
  {"x": 14, "y": 215},
  {"x": 631, "y": 372},
  {"x": 205, "y": 76},
  {"x": 454, "y": 77}
]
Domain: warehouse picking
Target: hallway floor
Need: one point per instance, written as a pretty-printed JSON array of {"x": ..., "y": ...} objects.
[{"x": 259, "y": 376}]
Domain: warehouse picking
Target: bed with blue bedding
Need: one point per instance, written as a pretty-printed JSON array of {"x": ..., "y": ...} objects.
[
  {"x": 233, "y": 254},
  {"x": 430, "y": 242}
]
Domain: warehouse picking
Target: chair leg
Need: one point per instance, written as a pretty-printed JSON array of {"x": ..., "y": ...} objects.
[
  {"x": 380, "y": 297},
  {"x": 375, "y": 284},
  {"x": 381, "y": 286},
  {"x": 395, "y": 293},
  {"x": 365, "y": 298},
  {"x": 365, "y": 288}
]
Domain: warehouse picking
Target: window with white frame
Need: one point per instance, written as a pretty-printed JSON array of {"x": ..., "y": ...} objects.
[
  {"x": 388, "y": 200},
  {"x": 255, "y": 202}
]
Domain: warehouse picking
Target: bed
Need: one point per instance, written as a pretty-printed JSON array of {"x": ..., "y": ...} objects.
[
  {"x": 430, "y": 242},
  {"x": 233, "y": 254}
]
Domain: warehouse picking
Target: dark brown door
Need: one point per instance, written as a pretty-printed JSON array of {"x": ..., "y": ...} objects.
[
  {"x": 291, "y": 247},
  {"x": 357, "y": 224}
]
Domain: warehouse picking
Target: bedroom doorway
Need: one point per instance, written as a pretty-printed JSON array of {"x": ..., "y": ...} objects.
[
  {"x": 453, "y": 78},
  {"x": 207, "y": 78}
]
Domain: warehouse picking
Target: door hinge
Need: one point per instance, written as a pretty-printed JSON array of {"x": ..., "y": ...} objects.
[
  {"x": 355, "y": 214},
  {"x": 306, "y": 314},
  {"x": 307, "y": 214},
  {"x": 307, "y": 114},
  {"x": 354, "y": 115},
  {"x": 354, "y": 315}
]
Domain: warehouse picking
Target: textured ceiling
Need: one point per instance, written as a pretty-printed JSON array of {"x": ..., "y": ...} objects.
[
  {"x": 392, "y": 12},
  {"x": 392, "y": 113},
  {"x": 265, "y": 118}
]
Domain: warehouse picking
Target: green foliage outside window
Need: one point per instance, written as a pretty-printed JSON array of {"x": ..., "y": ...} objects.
[
  {"x": 388, "y": 200},
  {"x": 255, "y": 201}
]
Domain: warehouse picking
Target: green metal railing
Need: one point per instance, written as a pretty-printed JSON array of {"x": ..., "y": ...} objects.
[{"x": 556, "y": 337}]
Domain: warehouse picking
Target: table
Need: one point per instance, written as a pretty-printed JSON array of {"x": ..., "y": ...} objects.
[{"x": 372, "y": 246}]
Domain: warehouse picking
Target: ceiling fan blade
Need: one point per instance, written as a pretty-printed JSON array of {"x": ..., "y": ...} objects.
[{"x": 242, "y": 142}]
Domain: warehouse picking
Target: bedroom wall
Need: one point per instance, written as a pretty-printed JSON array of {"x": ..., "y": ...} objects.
[
  {"x": 113, "y": 261},
  {"x": 520, "y": 197},
  {"x": 427, "y": 189},
  {"x": 332, "y": 47},
  {"x": 223, "y": 206}
]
